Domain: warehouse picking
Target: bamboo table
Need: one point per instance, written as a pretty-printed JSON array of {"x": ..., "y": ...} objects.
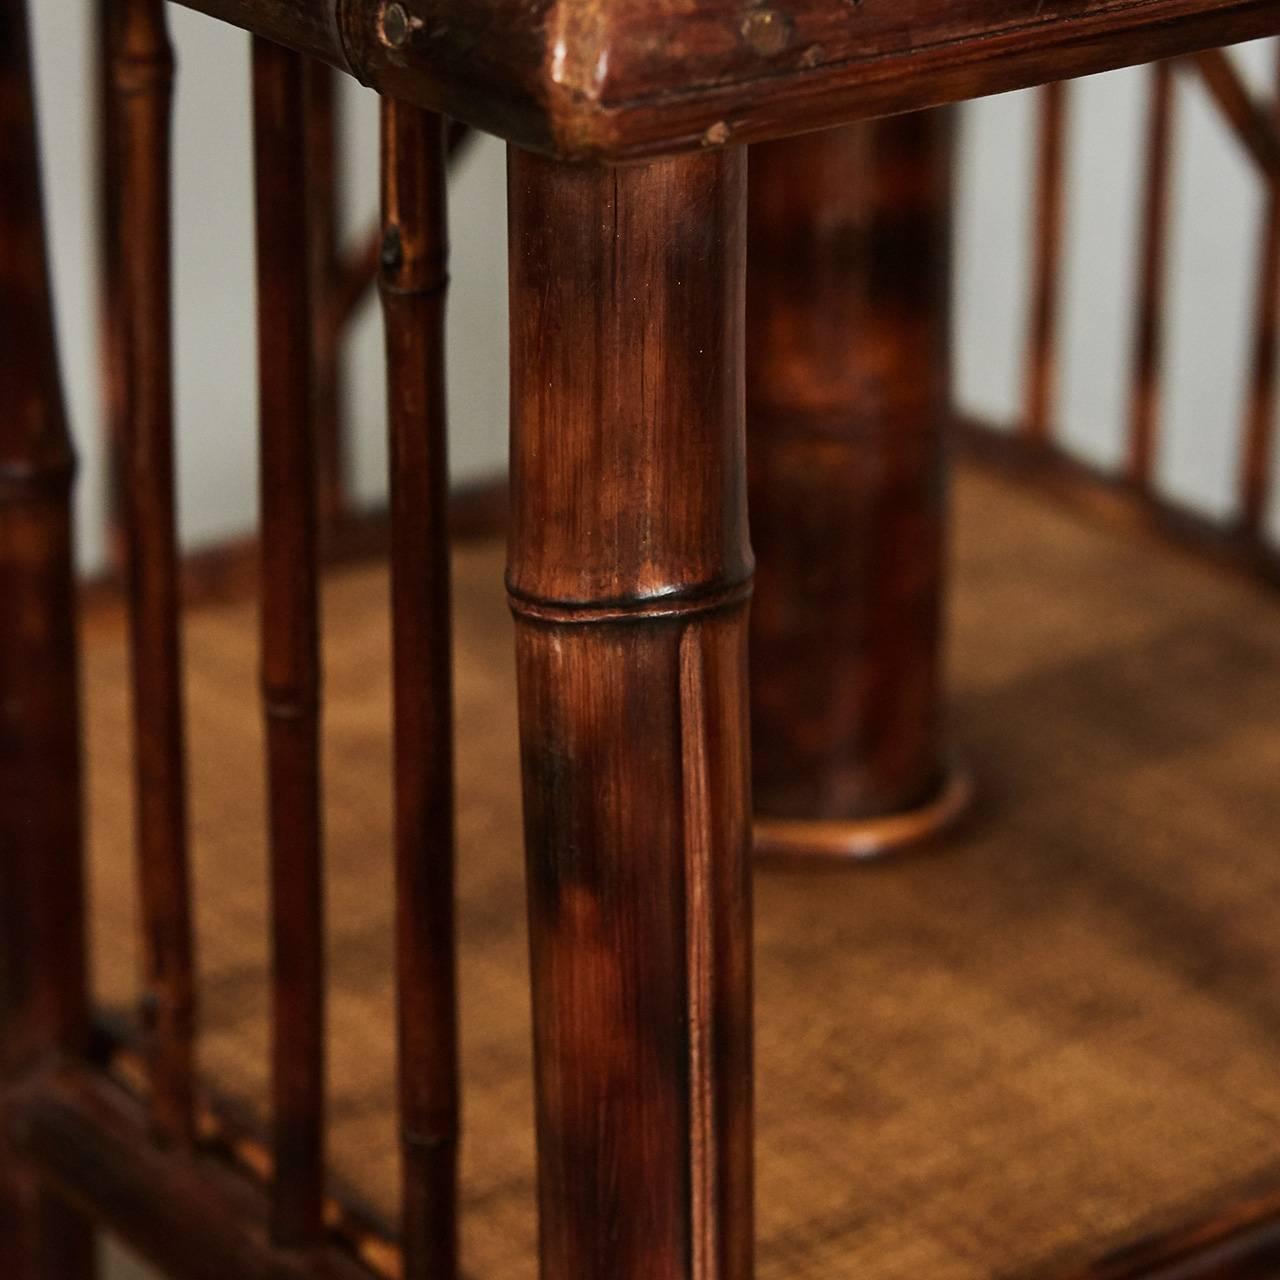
[{"x": 629, "y": 575}]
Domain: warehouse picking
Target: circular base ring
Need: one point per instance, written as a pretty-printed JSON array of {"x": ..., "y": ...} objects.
[{"x": 865, "y": 838}]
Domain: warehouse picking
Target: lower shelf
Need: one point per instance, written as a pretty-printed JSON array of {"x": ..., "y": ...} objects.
[{"x": 1010, "y": 1057}]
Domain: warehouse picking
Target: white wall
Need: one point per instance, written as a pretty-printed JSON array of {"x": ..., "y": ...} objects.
[
  {"x": 1217, "y": 206},
  {"x": 1218, "y": 202}
]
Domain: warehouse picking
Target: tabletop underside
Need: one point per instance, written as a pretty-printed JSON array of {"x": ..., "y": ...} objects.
[{"x": 625, "y": 79}]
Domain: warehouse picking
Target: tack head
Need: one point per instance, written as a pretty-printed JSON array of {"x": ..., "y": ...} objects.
[
  {"x": 396, "y": 26},
  {"x": 767, "y": 31}
]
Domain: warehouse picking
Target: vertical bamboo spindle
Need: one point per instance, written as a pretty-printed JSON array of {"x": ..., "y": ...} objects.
[
  {"x": 1042, "y": 338},
  {"x": 141, "y": 77},
  {"x": 1144, "y": 400},
  {"x": 628, "y": 574},
  {"x": 290, "y": 642},
  {"x": 322, "y": 232},
  {"x": 848, "y": 405},
  {"x": 413, "y": 282},
  {"x": 1256, "y": 458},
  {"x": 43, "y": 986},
  {"x": 110, "y": 354}
]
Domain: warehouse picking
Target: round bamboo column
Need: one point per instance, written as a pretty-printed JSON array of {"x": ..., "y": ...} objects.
[{"x": 848, "y": 396}]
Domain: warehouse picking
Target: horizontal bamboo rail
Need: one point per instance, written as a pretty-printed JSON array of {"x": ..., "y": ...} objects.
[{"x": 191, "y": 1213}]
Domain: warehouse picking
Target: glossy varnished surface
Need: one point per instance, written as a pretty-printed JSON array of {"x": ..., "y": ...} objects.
[
  {"x": 141, "y": 84},
  {"x": 848, "y": 395},
  {"x": 43, "y": 998},
  {"x": 290, "y": 640},
  {"x": 628, "y": 574},
  {"x": 617, "y": 78},
  {"x": 413, "y": 282}
]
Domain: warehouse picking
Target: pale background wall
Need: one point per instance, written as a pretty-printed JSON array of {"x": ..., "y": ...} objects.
[{"x": 1218, "y": 201}]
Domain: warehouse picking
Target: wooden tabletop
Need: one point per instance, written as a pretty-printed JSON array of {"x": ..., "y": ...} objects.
[{"x": 623, "y": 79}]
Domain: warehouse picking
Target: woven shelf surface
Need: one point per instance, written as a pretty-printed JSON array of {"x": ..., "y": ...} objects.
[{"x": 1000, "y": 1059}]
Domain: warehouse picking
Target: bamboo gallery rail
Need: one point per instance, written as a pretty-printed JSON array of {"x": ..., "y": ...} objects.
[
  {"x": 1132, "y": 496},
  {"x": 108, "y": 1128}
]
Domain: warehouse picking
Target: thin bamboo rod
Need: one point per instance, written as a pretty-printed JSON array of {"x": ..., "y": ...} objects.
[
  {"x": 290, "y": 642},
  {"x": 356, "y": 269},
  {"x": 43, "y": 977},
  {"x": 1042, "y": 342},
  {"x": 112, "y": 374},
  {"x": 43, "y": 991},
  {"x": 413, "y": 282},
  {"x": 141, "y": 78},
  {"x": 1260, "y": 410},
  {"x": 1255, "y": 127},
  {"x": 1144, "y": 396},
  {"x": 322, "y": 233}
]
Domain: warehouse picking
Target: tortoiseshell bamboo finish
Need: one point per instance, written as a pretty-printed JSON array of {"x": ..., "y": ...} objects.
[
  {"x": 848, "y": 393},
  {"x": 628, "y": 575}
]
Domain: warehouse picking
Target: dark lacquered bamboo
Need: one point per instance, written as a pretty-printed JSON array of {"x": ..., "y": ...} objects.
[
  {"x": 323, "y": 177},
  {"x": 111, "y": 371},
  {"x": 1046, "y": 265},
  {"x": 43, "y": 987},
  {"x": 141, "y": 70},
  {"x": 355, "y": 270},
  {"x": 628, "y": 573},
  {"x": 848, "y": 399},
  {"x": 189, "y": 1211},
  {"x": 1259, "y": 431},
  {"x": 1144, "y": 395},
  {"x": 633, "y": 79},
  {"x": 413, "y": 283},
  {"x": 290, "y": 643}
]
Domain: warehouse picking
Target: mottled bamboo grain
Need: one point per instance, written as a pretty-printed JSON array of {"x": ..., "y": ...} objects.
[
  {"x": 633, "y": 79},
  {"x": 413, "y": 282},
  {"x": 848, "y": 400},
  {"x": 628, "y": 572},
  {"x": 290, "y": 642}
]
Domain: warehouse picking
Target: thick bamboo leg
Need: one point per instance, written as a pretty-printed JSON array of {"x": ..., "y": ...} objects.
[
  {"x": 43, "y": 987},
  {"x": 848, "y": 391},
  {"x": 629, "y": 573}
]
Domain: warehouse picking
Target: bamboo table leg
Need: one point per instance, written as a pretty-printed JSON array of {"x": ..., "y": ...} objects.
[
  {"x": 848, "y": 395},
  {"x": 629, "y": 573},
  {"x": 43, "y": 997}
]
